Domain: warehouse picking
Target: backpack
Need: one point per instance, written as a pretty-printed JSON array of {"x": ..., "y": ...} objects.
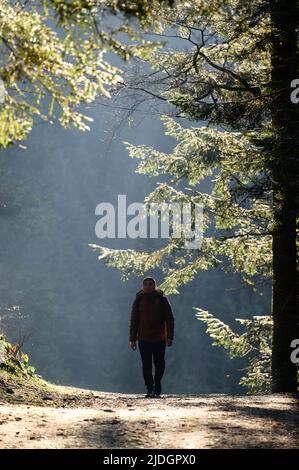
[{"x": 162, "y": 312}]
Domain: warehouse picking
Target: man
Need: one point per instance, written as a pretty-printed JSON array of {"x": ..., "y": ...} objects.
[{"x": 152, "y": 323}]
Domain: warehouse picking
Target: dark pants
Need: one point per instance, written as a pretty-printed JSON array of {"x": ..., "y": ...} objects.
[{"x": 150, "y": 350}]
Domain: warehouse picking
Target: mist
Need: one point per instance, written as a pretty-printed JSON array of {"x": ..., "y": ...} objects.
[{"x": 73, "y": 309}]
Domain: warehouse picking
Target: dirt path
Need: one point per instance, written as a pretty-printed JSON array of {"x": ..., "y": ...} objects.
[{"x": 129, "y": 421}]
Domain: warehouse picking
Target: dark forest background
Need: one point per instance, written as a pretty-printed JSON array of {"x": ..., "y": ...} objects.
[{"x": 75, "y": 309}]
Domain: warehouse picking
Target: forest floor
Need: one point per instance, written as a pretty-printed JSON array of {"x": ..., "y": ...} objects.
[{"x": 35, "y": 414}]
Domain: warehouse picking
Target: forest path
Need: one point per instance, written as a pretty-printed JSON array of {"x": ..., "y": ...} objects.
[{"x": 111, "y": 420}]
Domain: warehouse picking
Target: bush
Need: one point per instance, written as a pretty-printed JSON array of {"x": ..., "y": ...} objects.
[
  {"x": 12, "y": 359},
  {"x": 254, "y": 344}
]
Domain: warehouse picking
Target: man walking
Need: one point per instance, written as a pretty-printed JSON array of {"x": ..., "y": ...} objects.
[{"x": 152, "y": 323}]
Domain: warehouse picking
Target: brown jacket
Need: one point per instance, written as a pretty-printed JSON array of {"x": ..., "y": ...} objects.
[{"x": 146, "y": 317}]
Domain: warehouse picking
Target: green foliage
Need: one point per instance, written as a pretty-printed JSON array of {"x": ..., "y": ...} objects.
[
  {"x": 13, "y": 360},
  {"x": 220, "y": 78},
  {"x": 240, "y": 231},
  {"x": 79, "y": 10},
  {"x": 53, "y": 61},
  {"x": 254, "y": 344}
]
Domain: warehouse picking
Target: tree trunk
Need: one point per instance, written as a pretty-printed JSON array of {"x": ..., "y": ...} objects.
[{"x": 284, "y": 169}]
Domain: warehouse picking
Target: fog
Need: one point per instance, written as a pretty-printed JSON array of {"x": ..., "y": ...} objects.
[{"x": 75, "y": 309}]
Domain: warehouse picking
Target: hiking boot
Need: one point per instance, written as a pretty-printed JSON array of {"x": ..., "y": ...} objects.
[
  {"x": 158, "y": 389},
  {"x": 149, "y": 394}
]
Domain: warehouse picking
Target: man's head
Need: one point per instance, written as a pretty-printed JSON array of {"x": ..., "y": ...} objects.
[{"x": 149, "y": 285}]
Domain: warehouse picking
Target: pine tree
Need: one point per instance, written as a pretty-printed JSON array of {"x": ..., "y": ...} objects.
[
  {"x": 234, "y": 78},
  {"x": 284, "y": 170}
]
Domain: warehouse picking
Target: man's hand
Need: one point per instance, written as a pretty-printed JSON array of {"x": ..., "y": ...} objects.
[
  {"x": 168, "y": 342},
  {"x": 133, "y": 345}
]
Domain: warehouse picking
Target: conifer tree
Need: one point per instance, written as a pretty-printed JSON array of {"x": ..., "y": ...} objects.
[{"x": 234, "y": 78}]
